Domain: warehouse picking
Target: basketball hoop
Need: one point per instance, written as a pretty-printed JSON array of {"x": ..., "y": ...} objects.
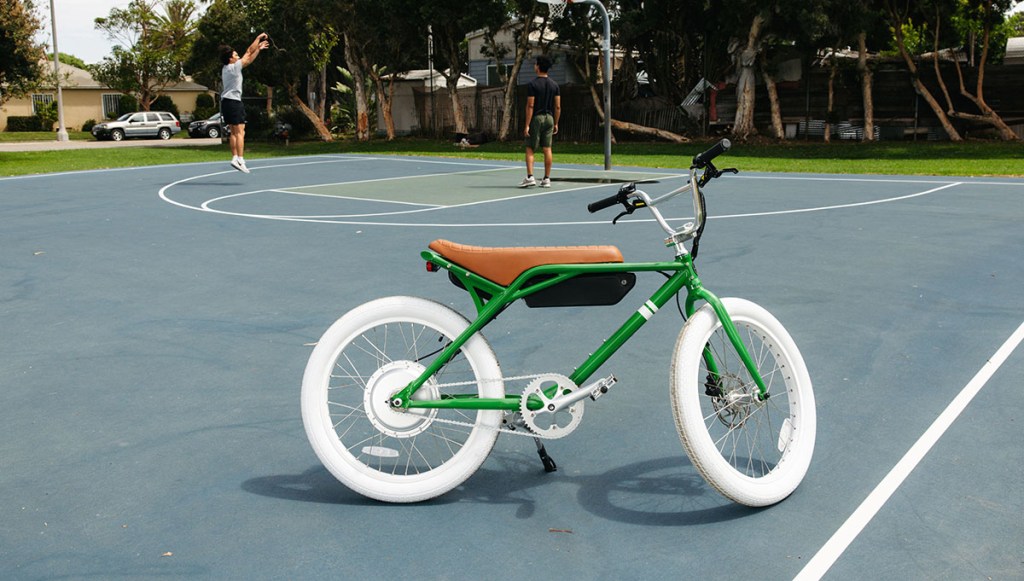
[{"x": 556, "y": 8}]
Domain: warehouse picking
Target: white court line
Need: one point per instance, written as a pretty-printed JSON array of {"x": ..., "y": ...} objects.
[{"x": 830, "y": 552}]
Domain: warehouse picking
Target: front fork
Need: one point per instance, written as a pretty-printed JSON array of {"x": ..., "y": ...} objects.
[{"x": 698, "y": 292}]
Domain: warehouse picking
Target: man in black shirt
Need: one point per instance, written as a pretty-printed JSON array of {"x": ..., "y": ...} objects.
[{"x": 543, "y": 108}]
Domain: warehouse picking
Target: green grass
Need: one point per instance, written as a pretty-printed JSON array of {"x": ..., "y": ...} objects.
[{"x": 973, "y": 158}]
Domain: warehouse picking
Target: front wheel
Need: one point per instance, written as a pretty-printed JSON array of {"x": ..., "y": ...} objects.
[
  {"x": 117, "y": 135},
  {"x": 364, "y": 358},
  {"x": 754, "y": 451}
]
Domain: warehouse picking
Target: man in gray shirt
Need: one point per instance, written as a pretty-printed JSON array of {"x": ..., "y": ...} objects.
[{"x": 231, "y": 107}]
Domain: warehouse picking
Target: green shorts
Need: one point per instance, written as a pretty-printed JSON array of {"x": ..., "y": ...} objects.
[{"x": 542, "y": 131}]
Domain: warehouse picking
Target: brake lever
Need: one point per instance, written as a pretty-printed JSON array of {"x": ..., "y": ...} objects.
[{"x": 630, "y": 208}]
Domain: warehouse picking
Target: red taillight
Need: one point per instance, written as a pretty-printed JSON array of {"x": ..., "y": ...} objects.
[{"x": 431, "y": 267}]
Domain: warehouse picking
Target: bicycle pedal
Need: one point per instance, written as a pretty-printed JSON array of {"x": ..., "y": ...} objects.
[{"x": 600, "y": 387}]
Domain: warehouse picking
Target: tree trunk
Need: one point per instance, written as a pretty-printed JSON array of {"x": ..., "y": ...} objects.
[
  {"x": 897, "y": 22},
  {"x": 318, "y": 123},
  {"x": 522, "y": 46},
  {"x": 865, "y": 87},
  {"x": 648, "y": 131},
  {"x": 385, "y": 98},
  {"x": 359, "y": 88},
  {"x": 988, "y": 115},
  {"x": 746, "y": 57},
  {"x": 321, "y": 103},
  {"x": 773, "y": 99}
]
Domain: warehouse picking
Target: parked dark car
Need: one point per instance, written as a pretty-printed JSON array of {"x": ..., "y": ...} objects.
[
  {"x": 139, "y": 124},
  {"x": 212, "y": 127}
]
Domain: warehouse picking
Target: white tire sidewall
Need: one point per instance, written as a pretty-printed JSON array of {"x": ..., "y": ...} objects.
[
  {"x": 687, "y": 389},
  {"x": 318, "y": 424}
]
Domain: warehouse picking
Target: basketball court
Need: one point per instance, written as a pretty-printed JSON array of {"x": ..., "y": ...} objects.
[{"x": 157, "y": 322}]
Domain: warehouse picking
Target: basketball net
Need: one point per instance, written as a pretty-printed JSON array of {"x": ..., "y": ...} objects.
[{"x": 556, "y": 8}]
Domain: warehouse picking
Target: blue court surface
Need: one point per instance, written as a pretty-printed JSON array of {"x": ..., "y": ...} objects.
[{"x": 157, "y": 321}]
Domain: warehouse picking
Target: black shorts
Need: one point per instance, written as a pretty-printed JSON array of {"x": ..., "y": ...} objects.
[{"x": 233, "y": 112}]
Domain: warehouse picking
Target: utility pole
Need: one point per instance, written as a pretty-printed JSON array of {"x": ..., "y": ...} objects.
[{"x": 62, "y": 132}]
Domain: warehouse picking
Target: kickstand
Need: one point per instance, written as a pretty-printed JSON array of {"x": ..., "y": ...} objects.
[{"x": 549, "y": 464}]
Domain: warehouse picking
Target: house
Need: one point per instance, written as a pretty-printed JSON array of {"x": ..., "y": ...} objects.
[
  {"x": 86, "y": 99},
  {"x": 1014, "y": 51},
  {"x": 407, "y": 85},
  {"x": 485, "y": 68}
]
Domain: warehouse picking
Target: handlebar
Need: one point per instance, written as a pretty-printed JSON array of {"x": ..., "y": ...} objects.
[
  {"x": 631, "y": 198},
  {"x": 702, "y": 160},
  {"x": 619, "y": 198}
]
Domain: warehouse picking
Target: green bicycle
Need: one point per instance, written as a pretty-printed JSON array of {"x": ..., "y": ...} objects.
[{"x": 403, "y": 398}]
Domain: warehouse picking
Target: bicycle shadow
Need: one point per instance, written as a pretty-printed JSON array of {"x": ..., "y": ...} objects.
[{"x": 658, "y": 492}]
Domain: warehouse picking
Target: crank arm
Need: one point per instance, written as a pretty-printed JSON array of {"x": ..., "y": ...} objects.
[{"x": 593, "y": 391}]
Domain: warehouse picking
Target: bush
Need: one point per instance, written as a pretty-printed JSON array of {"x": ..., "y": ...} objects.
[
  {"x": 25, "y": 123},
  {"x": 205, "y": 107},
  {"x": 126, "y": 104},
  {"x": 165, "y": 103},
  {"x": 88, "y": 125}
]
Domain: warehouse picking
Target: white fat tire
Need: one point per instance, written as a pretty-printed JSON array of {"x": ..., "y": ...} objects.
[
  {"x": 319, "y": 429},
  {"x": 687, "y": 389}
]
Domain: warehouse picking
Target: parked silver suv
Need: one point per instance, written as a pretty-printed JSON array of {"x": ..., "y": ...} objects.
[{"x": 139, "y": 124}]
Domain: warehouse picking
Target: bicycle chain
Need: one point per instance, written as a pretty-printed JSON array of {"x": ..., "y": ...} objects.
[{"x": 526, "y": 431}]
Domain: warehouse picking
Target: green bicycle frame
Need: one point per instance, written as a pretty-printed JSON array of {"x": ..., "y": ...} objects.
[{"x": 491, "y": 298}]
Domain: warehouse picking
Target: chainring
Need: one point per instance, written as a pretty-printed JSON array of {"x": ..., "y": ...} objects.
[{"x": 542, "y": 421}]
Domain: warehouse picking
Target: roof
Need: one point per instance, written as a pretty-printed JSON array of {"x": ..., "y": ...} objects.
[
  {"x": 424, "y": 75},
  {"x": 73, "y": 77}
]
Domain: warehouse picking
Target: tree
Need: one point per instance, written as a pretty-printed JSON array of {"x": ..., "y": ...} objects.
[
  {"x": 523, "y": 15},
  {"x": 899, "y": 19},
  {"x": 70, "y": 59},
  {"x": 450, "y": 21},
  {"x": 151, "y": 47},
  {"x": 20, "y": 69},
  {"x": 976, "y": 16},
  {"x": 379, "y": 46}
]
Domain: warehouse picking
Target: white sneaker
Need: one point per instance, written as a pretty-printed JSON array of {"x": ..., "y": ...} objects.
[
  {"x": 545, "y": 183},
  {"x": 239, "y": 164},
  {"x": 528, "y": 182}
]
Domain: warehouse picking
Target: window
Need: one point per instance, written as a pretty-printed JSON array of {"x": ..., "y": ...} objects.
[
  {"x": 111, "y": 107},
  {"x": 493, "y": 78},
  {"x": 40, "y": 100}
]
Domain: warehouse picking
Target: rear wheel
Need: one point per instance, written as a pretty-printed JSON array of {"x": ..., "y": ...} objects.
[
  {"x": 164, "y": 133},
  {"x": 753, "y": 451},
  {"x": 363, "y": 359}
]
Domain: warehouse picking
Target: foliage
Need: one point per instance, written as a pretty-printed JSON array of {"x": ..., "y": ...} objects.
[
  {"x": 165, "y": 103},
  {"x": 205, "y": 106},
  {"x": 21, "y": 123},
  {"x": 88, "y": 125},
  {"x": 47, "y": 115},
  {"x": 70, "y": 59},
  {"x": 150, "y": 48},
  {"x": 20, "y": 69}
]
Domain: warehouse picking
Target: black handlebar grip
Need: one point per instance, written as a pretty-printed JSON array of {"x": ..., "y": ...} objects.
[
  {"x": 602, "y": 204},
  {"x": 702, "y": 159}
]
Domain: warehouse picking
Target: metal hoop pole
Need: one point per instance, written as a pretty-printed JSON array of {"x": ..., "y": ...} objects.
[{"x": 607, "y": 80}]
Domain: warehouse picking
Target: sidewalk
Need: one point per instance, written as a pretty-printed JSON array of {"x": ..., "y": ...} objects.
[{"x": 60, "y": 145}]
